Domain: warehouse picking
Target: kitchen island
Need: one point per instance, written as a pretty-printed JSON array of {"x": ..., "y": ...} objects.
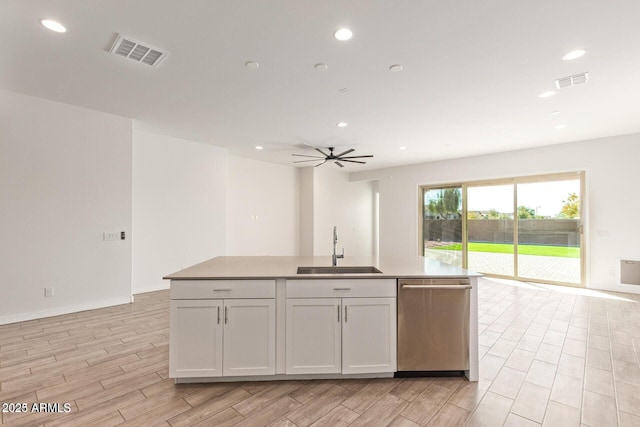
[{"x": 262, "y": 318}]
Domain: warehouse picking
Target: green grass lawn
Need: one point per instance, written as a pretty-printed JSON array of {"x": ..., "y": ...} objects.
[{"x": 505, "y": 248}]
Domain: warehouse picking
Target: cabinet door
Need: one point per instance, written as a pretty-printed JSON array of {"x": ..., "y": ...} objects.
[
  {"x": 249, "y": 337},
  {"x": 313, "y": 336},
  {"x": 195, "y": 338},
  {"x": 368, "y": 335}
]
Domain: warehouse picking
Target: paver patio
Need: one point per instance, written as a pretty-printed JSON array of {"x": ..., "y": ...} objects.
[{"x": 557, "y": 269}]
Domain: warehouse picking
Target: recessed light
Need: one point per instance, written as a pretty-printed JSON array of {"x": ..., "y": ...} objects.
[
  {"x": 560, "y": 126},
  {"x": 53, "y": 26},
  {"x": 259, "y": 147},
  {"x": 343, "y": 34},
  {"x": 547, "y": 94},
  {"x": 555, "y": 113},
  {"x": 251, "y": 64},
  {"x": 574, "y": 54},
  {"x": 320, "y": 67},
  {"x": 396, "y": 68},
  {"x": 403, "y": 148},
  {"x": 342, "y": 124}
]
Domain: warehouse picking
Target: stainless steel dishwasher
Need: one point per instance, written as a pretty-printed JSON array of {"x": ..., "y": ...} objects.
[{"x": 433, "y": 324}]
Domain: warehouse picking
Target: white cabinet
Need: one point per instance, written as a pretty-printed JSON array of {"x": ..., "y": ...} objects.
[
  {"x": 223, "y": 337},
  {"x": 368, "y": 335},
  {"x": 227, "y": 328},
  {"x": 249, "y": 344},
  {"x": 349, "y": 334},
  {"x": 195, "y": 335},
  {"x": 313, "y": 331}
]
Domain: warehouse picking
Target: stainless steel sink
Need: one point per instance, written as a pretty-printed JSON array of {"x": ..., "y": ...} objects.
[{"x": 339, "y": 270}]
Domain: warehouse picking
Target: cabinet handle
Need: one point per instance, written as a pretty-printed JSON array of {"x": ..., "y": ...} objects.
[
  {"x": 345, "y": 313},
  {"x": 222, "y": 290},
  {"x": 341, "y": 289},
  {"x": 226, "y": 315},
  {"x": 338, "y": 307},
  {"x": 218, "y": 315}
]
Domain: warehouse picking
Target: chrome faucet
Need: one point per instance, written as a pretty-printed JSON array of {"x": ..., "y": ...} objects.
[{"x": 335, "y": 242}]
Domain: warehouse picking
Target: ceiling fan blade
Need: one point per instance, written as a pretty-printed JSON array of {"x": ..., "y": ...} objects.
[
  {"x": 304, "y": 155},
  {"x": 302, "y": 161},
  {"x": 322, "y": 152},
  {"x": 357, "y": 157},
  {"x": 320, "y": 164},
  {"x": 353, "y": 161},
  {"x": 339, "y": 164},
  {"x": 346, "y": 152}
]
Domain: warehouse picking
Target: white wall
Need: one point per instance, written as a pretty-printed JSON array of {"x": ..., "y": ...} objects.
[
  {"x": 262, "y": 208},
  {"x": 346, "y": 205},
  {"x": 279, "y": 210},
  {"x": 69, "y": 174},
  {"x": 612, "y": 170},
  {"x": 179, "y": 190},
  {"x": 65, "y": 178},
  {"x": 306, "y": 177}
]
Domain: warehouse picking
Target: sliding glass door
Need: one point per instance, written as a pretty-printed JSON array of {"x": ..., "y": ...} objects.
[
  {"x": 527, "y": 228},
  {"x": 442, "y": 224},
  {"x": 490, "y": 240},
  {"x": 549, "y": 230}
]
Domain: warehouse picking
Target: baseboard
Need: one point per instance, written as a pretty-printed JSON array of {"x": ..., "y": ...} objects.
[
  {"x": 614, "y": 287},
  {"x": 58, "y": 311},
  {"x": 144, "y": 290}
]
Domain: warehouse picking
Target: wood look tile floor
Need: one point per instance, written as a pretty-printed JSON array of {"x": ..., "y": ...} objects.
[{"x": 550, "y": 356}]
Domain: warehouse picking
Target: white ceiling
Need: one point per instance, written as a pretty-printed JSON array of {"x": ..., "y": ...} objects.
[{"x": 473, "y": 70}]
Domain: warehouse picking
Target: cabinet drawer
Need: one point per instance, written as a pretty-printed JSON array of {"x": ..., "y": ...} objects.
[
  {"x": 222, "y": 289},
  {"x": 341, "y": 288}
]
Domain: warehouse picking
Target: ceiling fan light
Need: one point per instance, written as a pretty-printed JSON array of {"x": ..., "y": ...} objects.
[{"x": 331, "y": 156}]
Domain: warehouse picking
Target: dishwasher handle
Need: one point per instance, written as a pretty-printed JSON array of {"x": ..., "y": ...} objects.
[{"x": 460, "y": 287}]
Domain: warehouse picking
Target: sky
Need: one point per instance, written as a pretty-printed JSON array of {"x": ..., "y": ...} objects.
[{"x": 543, "y": 197}]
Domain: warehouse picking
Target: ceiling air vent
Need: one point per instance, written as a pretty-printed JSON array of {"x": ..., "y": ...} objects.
[
  {"x": 576, "y": 79},
  {"x": 137, "y": 51}
]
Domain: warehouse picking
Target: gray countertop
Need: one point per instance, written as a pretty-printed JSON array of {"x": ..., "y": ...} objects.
[{"x": 285, "y": 267}]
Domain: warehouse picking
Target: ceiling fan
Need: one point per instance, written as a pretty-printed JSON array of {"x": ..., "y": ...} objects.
[{"x": 336, "y": 158}]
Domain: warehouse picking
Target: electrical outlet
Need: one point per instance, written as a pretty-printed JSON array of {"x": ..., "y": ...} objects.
[
  {"x": 110, "y": 236},
  {"x": 48, "y": 292}
]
